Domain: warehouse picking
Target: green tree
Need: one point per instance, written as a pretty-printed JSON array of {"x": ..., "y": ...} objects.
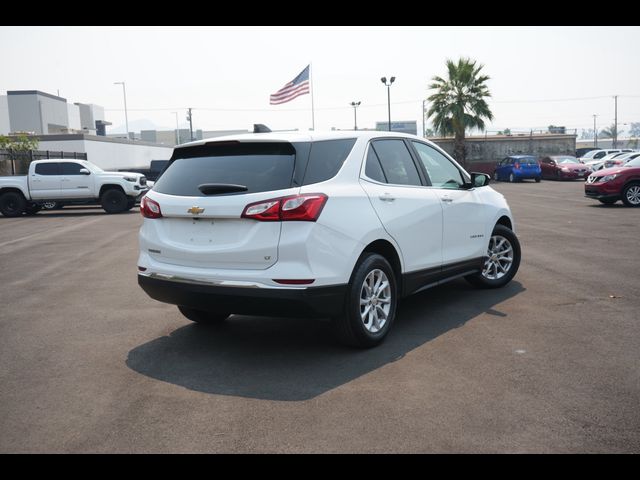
[
  {"x": 634, "y": 131},
  {"x": 17, "y": 148},
  {"x": 459, "y": 102}
]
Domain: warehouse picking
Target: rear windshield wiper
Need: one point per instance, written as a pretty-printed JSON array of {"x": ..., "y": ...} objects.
[{"x": 218, "y": 188}]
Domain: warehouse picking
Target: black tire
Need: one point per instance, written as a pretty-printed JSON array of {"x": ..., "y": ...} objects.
[
  {"x": 12, "y": 204},
  {"x": 32, "y": 209},
  {"x": 349, "y": 328},
  {"x": 608, "y": 201},
  {"x": 202, "y": 317},
  {"x": 512, "y": 178},
  {"x": 131, "y": 202},
  {"x": 481, "y": 280},
  {"x": 114, "y": 201},
  {"x": 538, "y": 179},
  {"x": 631, "y": 194}
]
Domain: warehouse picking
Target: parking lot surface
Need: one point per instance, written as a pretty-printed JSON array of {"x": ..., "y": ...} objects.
[{"x": 550, "y": 363}]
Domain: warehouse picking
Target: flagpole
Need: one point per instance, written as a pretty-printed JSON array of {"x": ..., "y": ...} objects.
[{"x": 313, "y": 116}]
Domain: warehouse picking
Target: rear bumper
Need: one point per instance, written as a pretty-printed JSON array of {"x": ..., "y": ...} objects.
[
  {"x": 521, "y": 174},
  {"x": 288, "y": 302}
]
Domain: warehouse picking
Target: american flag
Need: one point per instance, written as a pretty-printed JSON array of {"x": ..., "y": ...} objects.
[{"x": 296, "y": 87}]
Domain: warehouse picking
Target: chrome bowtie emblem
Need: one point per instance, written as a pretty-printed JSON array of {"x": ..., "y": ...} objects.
[{"x": 196, "y": 210}]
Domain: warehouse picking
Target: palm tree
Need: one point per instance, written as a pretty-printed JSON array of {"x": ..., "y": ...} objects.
[
  {"x": 610, "y": 132},
  {"x": 458, "y": 103}
]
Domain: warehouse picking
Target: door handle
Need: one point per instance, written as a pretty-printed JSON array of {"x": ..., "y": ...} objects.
[
  {"x": 386, "y": 197},
  {"x": 447, "y": 199}
]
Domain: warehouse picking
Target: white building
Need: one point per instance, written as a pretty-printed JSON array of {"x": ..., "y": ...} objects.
[{"x": 44, "y": 114}]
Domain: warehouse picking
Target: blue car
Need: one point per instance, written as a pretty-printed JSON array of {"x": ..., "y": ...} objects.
[{"x": 518, "y": 167}]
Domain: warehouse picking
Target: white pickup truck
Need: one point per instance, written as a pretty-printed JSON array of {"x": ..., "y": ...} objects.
[{"x": 66, "y": 182}]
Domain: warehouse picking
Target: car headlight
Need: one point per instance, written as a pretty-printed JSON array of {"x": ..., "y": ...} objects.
[
  {"x": 130, "y": 179},
  {"x": 607, "y": 178}
]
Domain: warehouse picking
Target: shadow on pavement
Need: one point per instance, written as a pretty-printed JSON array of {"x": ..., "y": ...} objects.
[
  {"x": 297, "y": 359},
  {"x": 84, "y": 212}
]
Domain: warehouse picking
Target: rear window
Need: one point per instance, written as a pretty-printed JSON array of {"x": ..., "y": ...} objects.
[
  {"x": 527, "y": 161},
  {"x": 326, "y": 158},
  {"x": 261, "y": 167}
]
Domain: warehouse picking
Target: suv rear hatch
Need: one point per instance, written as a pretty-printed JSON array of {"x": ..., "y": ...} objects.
[
  {"x": 528, "y": 165},
  {"x": 202, "y": 194}
]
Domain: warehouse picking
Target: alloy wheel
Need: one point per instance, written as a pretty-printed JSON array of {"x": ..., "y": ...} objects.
[
  {"x": 633, "y": 195},
  {"x": 499, "y": 258},
  {"x": 375, "y": 301}
]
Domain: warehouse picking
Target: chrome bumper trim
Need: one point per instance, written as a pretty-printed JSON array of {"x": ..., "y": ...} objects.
[{"x": 216, "y": 283}]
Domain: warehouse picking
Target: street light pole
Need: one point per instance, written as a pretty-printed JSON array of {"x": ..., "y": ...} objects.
[
  {"x": 126, "y": 116},
  {"x": 355, "y": 118},
  {"x": 388, "y": 85},
  {"x": 615, "y": 129},
  {"x": 595, "y": 132},
  {"x": 177, "y": 128}
]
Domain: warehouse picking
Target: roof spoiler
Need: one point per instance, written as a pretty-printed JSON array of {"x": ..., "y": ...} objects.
[{"x": 260, "y": 128}]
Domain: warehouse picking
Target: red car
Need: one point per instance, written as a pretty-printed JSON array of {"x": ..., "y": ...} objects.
[
  {"x": 563, "y": 167},
  {"x": 618, "y": 183}
]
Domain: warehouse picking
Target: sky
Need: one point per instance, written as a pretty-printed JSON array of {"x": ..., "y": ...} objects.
[{"x": 540, "y": 76}]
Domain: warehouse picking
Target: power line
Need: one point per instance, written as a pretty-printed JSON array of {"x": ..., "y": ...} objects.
[{"x": 370, "y": 105}]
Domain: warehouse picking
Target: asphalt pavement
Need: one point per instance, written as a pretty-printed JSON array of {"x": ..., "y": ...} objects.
[{"x": 550, "y": 363}]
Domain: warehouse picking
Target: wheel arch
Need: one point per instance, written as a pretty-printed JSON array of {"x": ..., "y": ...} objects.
[
  {"x": 506, "y": 221},
  {"x": 4, "y": 190},
  {"x": 388, "y": 251},
  {"x": 110, "y": 186}
]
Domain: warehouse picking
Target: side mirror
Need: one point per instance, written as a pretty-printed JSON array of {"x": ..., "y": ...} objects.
[
  {"x": 479, "y": 179},
  {"x": 84, "y": 171}
]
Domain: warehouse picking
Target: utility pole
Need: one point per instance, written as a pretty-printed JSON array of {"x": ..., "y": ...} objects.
[
  {"x": 615, "y": 129},
  {"x": 595, "y": 132},
  {"x": 190, "y": 123}
]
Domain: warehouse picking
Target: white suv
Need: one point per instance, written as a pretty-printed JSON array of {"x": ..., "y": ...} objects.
[{"x": 339, "y": 225}]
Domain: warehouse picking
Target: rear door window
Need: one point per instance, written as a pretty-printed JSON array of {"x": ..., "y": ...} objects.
[
  {"x": 396, "y": 162},
  {"x": 326, "y": 158},
  {"x": 48, "y": 169},
  {"x": 259, "y": 166}
]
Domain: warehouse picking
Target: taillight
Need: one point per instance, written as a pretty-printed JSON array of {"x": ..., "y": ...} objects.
[
  {"x": 150, "y": 208},
  {"x": 516, "y": 165},
  {"x": 302, "y": 208}
]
